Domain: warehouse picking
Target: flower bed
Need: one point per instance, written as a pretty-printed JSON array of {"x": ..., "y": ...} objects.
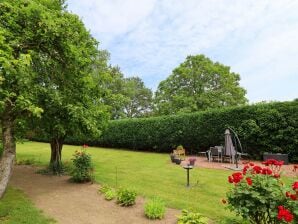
[{"x": 259, "y": 195}]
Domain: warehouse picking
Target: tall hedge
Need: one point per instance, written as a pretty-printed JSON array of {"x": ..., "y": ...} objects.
[
  {"x": 271, "y": 127},
  {"x": 261, "y": 128}
]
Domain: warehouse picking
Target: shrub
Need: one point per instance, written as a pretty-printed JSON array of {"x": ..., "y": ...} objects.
[
  {"x": 261, "y": 128},
  {"x": 104, "y": 188},
  {"x": 126, "y": 197},
  {"x": 266, "y": 127},
  {"x": 155, "y": 209},
  {"x": 110, "y": 194},
  {"x": 82, "y": 171},
  {"x": 188, "y": 217},
  {"x": 26, "y": 162},
  {"x": 259, "y": 195}
]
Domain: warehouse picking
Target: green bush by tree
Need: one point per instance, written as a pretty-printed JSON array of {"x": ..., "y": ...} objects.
[
  {"x": 155, "y": 208},
  {"x": 83, "y": 169},
  {"x": 126, "y": 197}
]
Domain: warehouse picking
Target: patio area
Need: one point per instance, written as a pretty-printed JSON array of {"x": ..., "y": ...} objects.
[{"x": 287, "y": 170}]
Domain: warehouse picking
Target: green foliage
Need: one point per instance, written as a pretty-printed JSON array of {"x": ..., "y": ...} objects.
[
  {"x": 155, "y": 208},
  {"x": 188, "y": 217},
  {"x": 127, "y": 97},
  {"x": 83, "y": 168},
  {"x": 198, "y": 84},
  {"x": 126, "y": 197},
  {"x": 261, "y": 128},
  {"x": 16, "y": 208},
  {"x": 258, "y": 192},
  {"x": 45, "y": 54},
  {"x": 104, "y": 188},
  {"x": 110, "y": 194},
  {"x": 26, "y": 161}
]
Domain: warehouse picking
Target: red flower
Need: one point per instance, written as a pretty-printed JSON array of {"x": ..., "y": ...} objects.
[
  {"x": 276, "y": 175},
  {"x": 288, "y": 194},
  {"x": 251, "y": 164},
  {"x": 257, "y": 169},
  {"x": 284, "y": 214},
  {"x": 230, "y": 179},
  {"x": 295, "y": 167},
  {"x": 249, "y": 181},
  {"x": 293, "y": 197},
  {"x": 295, "y": 186},
  {"x": 245, "y": 168},
  {"x": 85, "y": 146},
  {"x": 266, "y": 171},
  {"x": 237, "y": 177}
]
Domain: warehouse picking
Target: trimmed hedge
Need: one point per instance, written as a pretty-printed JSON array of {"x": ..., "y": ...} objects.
[
  {"x": 261, "y": 128},
  {"x": 271, "y": 127}
]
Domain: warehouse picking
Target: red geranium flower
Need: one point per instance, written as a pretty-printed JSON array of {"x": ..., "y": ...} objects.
[
  {"x": 257, "y": 169},
  {"x": 293, "y": 197},
  {"x": 230, "y": 179},
  {"x": 295, "y": 186},
  {"x": 249, "y": 181},
  {"x": 285, "y": 214}
]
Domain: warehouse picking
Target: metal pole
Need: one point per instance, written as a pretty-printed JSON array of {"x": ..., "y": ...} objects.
[{"x": 187, "y": 177}]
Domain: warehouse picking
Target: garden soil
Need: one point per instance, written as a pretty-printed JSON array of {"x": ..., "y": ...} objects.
[{"x": 70, "y": 203}]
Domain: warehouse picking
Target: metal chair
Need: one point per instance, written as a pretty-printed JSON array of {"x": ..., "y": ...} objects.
[{"x": 216, "y": 152}]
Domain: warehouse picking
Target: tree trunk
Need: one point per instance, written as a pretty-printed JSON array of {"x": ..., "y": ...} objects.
[
  {"x": 56, "y": 149},
  {"x": 9, "y": 149}
]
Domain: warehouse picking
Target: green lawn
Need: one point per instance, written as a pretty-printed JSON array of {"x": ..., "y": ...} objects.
[
  {"x": 150, "y": 174},
  {"x": 15, "y": 208}
]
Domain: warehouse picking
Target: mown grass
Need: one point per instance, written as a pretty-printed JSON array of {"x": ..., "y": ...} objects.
[
  {"x": 150, "y": 174},
  {"x": 16, "y": 208}
]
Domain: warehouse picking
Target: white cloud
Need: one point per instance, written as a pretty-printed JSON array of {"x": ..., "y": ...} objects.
[{"x": 149, "y": 38}]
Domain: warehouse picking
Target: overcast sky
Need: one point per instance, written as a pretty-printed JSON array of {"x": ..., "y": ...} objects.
[{"x": 149, "y": 38}]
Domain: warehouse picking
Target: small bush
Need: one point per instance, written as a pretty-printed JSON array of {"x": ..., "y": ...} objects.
[
  {"x": 155, "y": 209},
  {"x": 110, "y": 194},
  {"x": 82, "y": 171},
  {"x": 104, "y": 188},
  {"x": 191, "y": 218},
  {"x": 126, "y": 197},
  {"x": 26, "y": 162}
]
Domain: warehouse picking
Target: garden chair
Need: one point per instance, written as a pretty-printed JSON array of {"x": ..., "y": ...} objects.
[
  {"x": 216, "y": 152},
  {"x": 179, "y": 152}
]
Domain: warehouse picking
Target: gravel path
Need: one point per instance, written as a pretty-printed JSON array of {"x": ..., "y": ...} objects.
[{"x": 71, "y": 203}]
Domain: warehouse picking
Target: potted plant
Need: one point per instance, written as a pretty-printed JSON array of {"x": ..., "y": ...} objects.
[
  {"x": 192, "y": 161},
  {"x": 172, "y": 156},
  {"x": 177, "y": 160}
]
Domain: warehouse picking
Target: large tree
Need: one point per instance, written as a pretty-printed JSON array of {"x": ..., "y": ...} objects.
[
  {"x": 140, "y": 98},
  {"x": 198, "y": 84},
  {"x": 45, "y": 59},
  {"x": 127, "y": 97}
]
